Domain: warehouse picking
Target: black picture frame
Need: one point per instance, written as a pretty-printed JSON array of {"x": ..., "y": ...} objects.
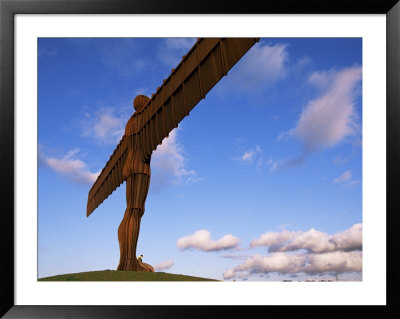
[{"x": 8, "y": 10}]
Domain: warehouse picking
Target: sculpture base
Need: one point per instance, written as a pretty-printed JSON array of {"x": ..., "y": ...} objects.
[
  {"x": 135, "y": 265},
  {"x": 146, "y": 267}
]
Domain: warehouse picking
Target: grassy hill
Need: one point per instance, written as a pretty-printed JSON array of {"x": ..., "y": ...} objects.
[{"x": 112, "y": 275}]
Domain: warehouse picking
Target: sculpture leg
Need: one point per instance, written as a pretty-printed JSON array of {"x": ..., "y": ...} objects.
[
  {"x": 128, "y": 234},
  {"x": 137, "y": 187}
]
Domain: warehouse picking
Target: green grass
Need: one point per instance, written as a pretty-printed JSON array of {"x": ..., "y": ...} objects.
[{"x": 112, "y": 275}]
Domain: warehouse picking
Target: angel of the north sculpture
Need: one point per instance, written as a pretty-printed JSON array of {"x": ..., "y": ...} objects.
[{"x": 154, "y": 118}]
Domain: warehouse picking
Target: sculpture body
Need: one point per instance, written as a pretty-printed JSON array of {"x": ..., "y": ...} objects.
[
  {"x": 136, "y": 172},
  {"x": 203, "y": 66}
]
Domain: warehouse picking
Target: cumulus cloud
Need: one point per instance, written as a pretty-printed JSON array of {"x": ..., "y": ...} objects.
[
  {"x": 278, "y": 262},
  {"x": 338, "y": 261},
  {"x": 164, "y": 265},
  {"x": 282, "y": 263},
  {"x": 313, "y": 240},
  {"x": 106, "y": 125},
  {"x": 168, "y": 162},
  {"x": 330, "y": 118},
  {"x": 201, "y": 240},
  {"x": 229, "y": 273},
  {"x": 350, "y": 239},
  {"x": 273, "y": 238},
  {"x": 262, "y": 65},
  {"x": 70, "y": 166}
]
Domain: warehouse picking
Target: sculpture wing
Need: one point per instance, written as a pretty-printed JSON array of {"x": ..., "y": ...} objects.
[
  {"x": 109, "y": 178},
  {"x": 200, "y": 69}
]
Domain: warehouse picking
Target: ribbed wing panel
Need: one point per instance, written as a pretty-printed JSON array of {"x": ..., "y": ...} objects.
[
  {"x": 204, "y": 65},
  {"x": 109, "y": 178}
]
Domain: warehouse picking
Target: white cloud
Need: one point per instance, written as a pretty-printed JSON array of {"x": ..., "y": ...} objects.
[
  {"x": 338, "y": 262},
  {"x": 168, "y": 162},
  {"x": 70, "y": 166},
  {"x": 345, "y": 177},
  {"x": 105, "y": 125},
  {"x": 330, "y": 118},
  {"x": 278, "y": 262},
  {"x": 313, "y": 240},
  {"x": 164, "y": 265},
  {"x": 350, "y": 239},
  {"x": 229, "y": 273},
  {"x": 322, "y": 79},
  {"x": 273, "y": 238},
  {"x": 201, "y": 240},
  {"x": 249, "y": 156},
  {"x": 262, "y": 65}
]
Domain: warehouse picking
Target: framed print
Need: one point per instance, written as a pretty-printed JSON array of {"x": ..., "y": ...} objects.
[{"x": 316, "y": 129}]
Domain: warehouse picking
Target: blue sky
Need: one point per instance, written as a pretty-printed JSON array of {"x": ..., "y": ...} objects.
[{"x": 262, "y": 181}]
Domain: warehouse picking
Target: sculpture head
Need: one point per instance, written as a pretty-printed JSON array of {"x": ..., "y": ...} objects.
[{"x": 140, "y": 101}]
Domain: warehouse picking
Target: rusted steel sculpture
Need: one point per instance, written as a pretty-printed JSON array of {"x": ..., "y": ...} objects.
[{"x": 200, "y": 69}]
